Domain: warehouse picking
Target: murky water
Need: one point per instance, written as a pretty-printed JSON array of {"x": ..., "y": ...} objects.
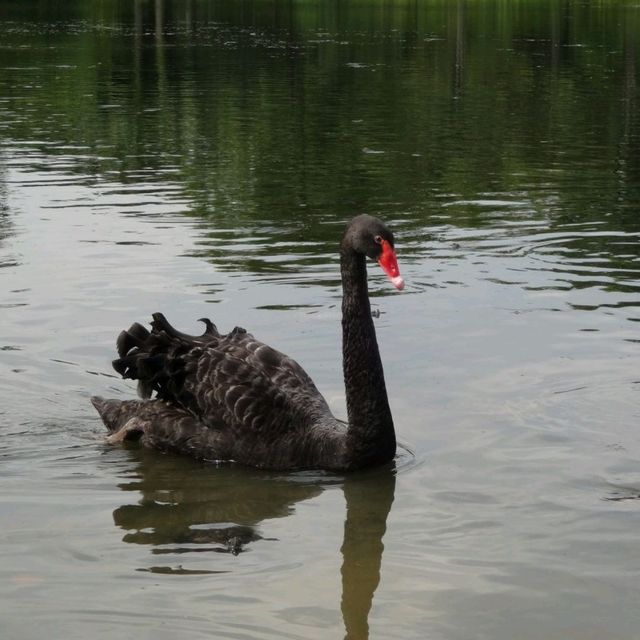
[{"x": 201, "y": 158}]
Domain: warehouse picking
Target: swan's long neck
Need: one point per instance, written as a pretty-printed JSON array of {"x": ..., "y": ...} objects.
[{"x": 371, "y": 437}]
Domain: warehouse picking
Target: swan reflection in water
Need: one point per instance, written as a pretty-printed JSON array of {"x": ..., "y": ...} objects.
[{"x": 188, "y": 508}]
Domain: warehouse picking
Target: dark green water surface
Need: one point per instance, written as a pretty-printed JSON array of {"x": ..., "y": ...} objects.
[{"x": 201, "y": 158}]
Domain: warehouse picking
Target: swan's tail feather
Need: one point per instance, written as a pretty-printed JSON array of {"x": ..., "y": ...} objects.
[
  {"x": 135, "y": 336},
  {"x": 210, "y": 328},
  {"x": 158, "y": 424},
  {"x": 116, "y": 414},
  {"x": 149, "y": 367},
  {"x": 160, "y": 323},
  {"x": 158, "y": 359}
]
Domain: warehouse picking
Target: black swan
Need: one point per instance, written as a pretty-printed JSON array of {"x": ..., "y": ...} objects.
[{"x": 231, "y": 397}]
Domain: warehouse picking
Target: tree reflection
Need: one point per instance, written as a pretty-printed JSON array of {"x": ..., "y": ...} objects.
[
  {"x": 279, "y": 120},
  {"x": 187, "y": 507},
  {"x": 6, "y": 229}
]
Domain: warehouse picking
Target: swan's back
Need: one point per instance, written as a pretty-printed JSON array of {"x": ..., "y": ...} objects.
[{"x": 255, "y": 403}]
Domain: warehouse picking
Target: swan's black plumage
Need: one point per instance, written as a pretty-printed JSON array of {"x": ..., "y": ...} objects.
[{"x": 231, "y": 397}]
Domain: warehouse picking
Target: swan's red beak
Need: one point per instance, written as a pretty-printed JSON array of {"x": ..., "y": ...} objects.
[{"x": 389, "y": 264}]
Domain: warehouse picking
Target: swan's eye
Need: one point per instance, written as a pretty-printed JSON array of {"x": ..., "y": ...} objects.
[{"x": 377, "y": 239}]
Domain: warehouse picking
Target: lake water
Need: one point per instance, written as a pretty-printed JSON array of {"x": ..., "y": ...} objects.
[{"x": 201, "y": 158}]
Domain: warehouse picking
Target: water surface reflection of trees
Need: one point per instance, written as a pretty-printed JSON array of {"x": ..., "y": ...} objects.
[
  {"x": 264, "y": 107},
  {"x": 277, "y": 120}
]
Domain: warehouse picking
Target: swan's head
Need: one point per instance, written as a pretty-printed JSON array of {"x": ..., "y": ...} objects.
[{"x": 371, "y": 237}]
